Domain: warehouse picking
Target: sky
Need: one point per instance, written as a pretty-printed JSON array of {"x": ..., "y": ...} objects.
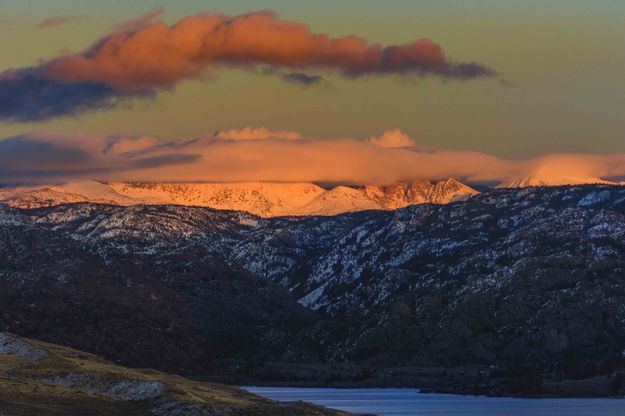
[{"x": 518, "y": 79}]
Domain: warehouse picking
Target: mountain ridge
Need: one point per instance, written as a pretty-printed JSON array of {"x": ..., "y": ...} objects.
[
  {"x": 527, "y": 284},
  {"x": 554, "y": 180},
  {"x": 265, "y": 199},
  {"x": 271, "y": 199}
]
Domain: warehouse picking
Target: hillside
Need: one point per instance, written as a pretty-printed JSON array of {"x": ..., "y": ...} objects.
[
  {"x": 42, "y": 379},
  {"x": 524, "y": 286}
]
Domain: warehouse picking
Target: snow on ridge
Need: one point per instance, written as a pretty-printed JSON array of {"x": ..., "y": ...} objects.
[
  {"x": 265, "y": 199},
  {"x": 551, "y": 180}
]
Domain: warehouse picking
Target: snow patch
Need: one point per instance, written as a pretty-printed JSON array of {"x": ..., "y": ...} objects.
[{"x": 594, "y": 198}]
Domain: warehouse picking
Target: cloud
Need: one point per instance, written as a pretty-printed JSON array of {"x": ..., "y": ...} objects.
[
  {"x": 126, "y": 145},
  {"x": 57, "y": 21},
  {"x": 393, "y": 139},
  {"x": 26, "y": 95},
  {"x": 142, "y": 57},
  {"x": 256, "y": 133},
  {"x": 142, "y": 21},
  {"x": 47, "y": 158},
  {"x": 40, "y": 158},
  {"x": 54, "y": 158},
  {"x": 303, "y": 79},
  {"x": 158, "y": 56}
]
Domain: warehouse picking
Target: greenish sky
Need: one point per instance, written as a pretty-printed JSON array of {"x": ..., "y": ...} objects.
[{"x": 563, "y": 63}]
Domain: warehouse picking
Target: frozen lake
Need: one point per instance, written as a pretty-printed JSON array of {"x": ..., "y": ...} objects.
[{"x": 409, "y": 402}]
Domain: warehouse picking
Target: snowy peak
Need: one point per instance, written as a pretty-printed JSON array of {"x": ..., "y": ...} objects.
[
  {"x": 37, "y": 198},
  {"x": 338, "y": 200},
  {"x": 450, "y": 190},
  {"x": 259, "y": 198},
  {"x": 74, "y": 192},
  {"x": 546, "y": 180},
  {"x": 419, "y": 192}
]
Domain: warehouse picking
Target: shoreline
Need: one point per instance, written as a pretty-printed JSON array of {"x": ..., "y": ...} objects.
[
  {"x": 463, "y": 381},
  {"x": 420, "y": 391}
]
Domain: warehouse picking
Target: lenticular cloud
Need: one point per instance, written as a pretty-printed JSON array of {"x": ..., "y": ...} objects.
[
  {"x": 260, "y": 154},
  {"x": 157, "y": 56}
]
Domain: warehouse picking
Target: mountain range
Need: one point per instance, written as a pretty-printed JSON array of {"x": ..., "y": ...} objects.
[
  {"x": 554, "y": 180},
  {"x": 268, "y": 199},
  {"x": 509, "y": 291},
  {"x": 263, "y": 199}
]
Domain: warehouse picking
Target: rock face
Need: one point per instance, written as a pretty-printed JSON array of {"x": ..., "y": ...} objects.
[
  {"x": 419, "y": 192},
  {"x": 263, "y": 199},
  {"x": 530, "y": 282}
]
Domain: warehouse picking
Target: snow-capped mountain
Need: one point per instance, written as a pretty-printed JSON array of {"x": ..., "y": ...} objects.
[
  {"x": 339, "y": 200},
  {"x": 547, "y": 180},
  {"x": 533, "y": 276},
  {"x": 419, "y": 192},
  {"x": 264, "y": 199},
  {"x": 73, "y": 192},
  {"x": 259, "y": 198}
]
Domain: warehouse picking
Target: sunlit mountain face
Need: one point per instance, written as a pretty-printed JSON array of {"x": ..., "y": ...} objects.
[
  {"x": 264, "y": 199},
  {"x": 333, "y": 194}
]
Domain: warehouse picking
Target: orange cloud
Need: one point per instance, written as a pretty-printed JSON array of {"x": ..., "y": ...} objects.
[
  {"x": 122, "y": 145},
  {"x": 393, "y": 139},
  {"x": 158, "y": 56},
  {"x": 256, "y": 133},
  {"x": 52, "y": 158},
  {"x": 142, "y": 57}
]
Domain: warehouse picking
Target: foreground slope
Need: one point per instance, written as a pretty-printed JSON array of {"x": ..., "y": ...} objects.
[{"x": 38, "y": 379}]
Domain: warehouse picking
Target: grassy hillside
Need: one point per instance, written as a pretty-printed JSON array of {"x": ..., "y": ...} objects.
[{"x": 38, "y": 378}]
